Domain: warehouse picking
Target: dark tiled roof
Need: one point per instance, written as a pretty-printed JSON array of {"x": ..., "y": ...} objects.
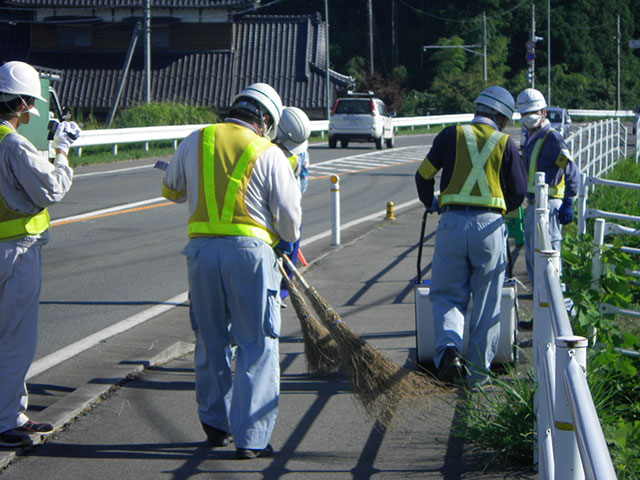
[
  {"x": 134, "y": 3},
  {"x": 286, "y": 52}
]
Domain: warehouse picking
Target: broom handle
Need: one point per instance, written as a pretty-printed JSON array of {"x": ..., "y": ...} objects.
[
  {"x": 285, "y": 276},
  {"x": 295, "y": 271}
]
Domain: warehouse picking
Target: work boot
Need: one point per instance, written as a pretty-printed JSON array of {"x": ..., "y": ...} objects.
[
  {"x": 451, "y": 367},
  {"x": 215, "y": 436},
  {"x": 250, "y": 453}
]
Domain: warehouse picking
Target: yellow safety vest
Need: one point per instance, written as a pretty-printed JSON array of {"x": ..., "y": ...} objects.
[
  {"x": 476, "y": 175},
  {"x": 14, "y": 225},
  {"x": 225, "y": 165},
  {"x": 555, "y": 191}
]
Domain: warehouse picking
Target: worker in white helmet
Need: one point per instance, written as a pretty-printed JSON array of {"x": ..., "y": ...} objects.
[
  {"x": 29, "y": 183},
  {"x": 292, "y": 138},
  {"x": 243, "y": 202},
  {"x": 482, "y": 178},
  {"x": 546, "y": 151}
]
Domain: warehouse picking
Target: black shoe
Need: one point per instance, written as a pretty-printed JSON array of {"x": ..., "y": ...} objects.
[
  {"x": 13, "y": 439},
  {"x": 525, "y": 324},
  {"x": 32, "y": 428},
  {"x": 249, "y": 453},
  {"x": 451, "y": 368},
  {"x": 215, "y": 436}
]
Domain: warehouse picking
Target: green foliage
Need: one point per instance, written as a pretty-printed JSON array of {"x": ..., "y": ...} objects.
[
  {"x": 156, "y": 114},
  {"x": 494, "y": 417},
  {"x": 499, "y": 419}
]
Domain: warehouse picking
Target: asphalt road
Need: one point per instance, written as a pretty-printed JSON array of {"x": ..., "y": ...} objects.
[{"x": 106, "y": 267}]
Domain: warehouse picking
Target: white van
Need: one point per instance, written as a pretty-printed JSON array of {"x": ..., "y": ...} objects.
[{"x": 360, "y": 117}]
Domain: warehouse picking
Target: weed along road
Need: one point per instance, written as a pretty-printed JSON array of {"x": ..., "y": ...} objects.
[{"x": 115, "y": 243}]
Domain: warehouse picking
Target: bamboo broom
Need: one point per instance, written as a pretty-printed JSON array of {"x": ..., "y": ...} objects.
[
  {"x": 379, "y": 384},
  {"x": 320, "y": 350}
]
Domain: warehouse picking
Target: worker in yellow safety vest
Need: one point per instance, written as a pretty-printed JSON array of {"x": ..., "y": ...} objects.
[
  {"x": 243, "y": 202},
  {"x": 546, "y": 151},
  {"x": 29, "y": 183},
  {"x": 482, "y": 178}
]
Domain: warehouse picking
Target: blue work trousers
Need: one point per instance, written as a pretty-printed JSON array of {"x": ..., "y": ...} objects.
[
  {"x": 234, "y": 285},
  {"x": 555, "y": 233},
  {"x": 20, "y": 283},
  {"x": 469, "y": 260}
]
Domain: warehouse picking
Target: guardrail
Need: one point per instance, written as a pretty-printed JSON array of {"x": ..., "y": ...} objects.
[
  {"x": 571, "y": 444},
  {"x": 144, "y": 135}
]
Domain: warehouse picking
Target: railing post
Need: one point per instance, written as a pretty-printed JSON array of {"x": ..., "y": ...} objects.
[
  {"x": 582, "y": 205},
  {"x": 541, "y": 219},
  {"x": 596, "y": 262},
  {"x": 335, "y": 210},
  {"x": 565, "y": 445}
]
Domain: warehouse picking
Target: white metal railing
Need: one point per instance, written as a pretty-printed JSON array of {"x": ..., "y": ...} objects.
[
  {"x": 588, "y": 183},
  {"x": 115, "y": 136},
  {"x": 596, "y": 147},
  {"x": 571, "y": 444}
]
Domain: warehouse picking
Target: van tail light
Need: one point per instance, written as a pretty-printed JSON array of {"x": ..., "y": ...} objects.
[
  {"x": 335, "y": 107},
  {"x": 373, "y": 108}
]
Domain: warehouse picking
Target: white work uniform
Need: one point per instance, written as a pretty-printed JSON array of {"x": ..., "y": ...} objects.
[
  {"x": 234, "y": 287},
  {"x": 28, "y": 183}
]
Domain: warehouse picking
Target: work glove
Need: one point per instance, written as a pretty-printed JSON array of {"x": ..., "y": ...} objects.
[
  {"x": 284, "y": 247},
  {"x": 565, "y": 212},
  {"x": 435, "y": 206},
  {"x": 66, "y": 134}
]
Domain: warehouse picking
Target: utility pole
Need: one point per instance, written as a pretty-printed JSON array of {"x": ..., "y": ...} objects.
[
  {"x": 532, "y": 57},
  {"x": 326, "y": 34},
  {"x": 147, "y": 50},
  {"x": 618, "y": 35},
  {"x": 394, "y": 33},
  {"x": 484, "y": 47},
  {"x": 548, "y": 52},
  {"x": 370, "y": 11}
]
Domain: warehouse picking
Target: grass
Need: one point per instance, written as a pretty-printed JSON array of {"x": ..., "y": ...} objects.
[{"x": 499, "y": 420}]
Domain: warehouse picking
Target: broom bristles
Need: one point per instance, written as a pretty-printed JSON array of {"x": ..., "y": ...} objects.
[
  {"x": 320, "y": 350},
  {"x": 378, "y": 383}
]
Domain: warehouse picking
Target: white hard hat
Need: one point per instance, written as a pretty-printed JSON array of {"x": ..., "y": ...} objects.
[
  {"x": 294, "y": 130},
  {"x": 19, "y": 78},
  {"x": 530, "y": 100},
  {"x": 498, "y": 99},
  {"x": 268, "y": 98}
]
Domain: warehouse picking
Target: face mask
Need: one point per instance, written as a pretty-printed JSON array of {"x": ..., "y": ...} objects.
[
  {"x": 32, "y": 111},
  {"x": 531, "y": 121}
]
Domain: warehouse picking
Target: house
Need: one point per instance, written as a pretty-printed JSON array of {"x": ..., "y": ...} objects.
[{"x": 202, "y": 52}]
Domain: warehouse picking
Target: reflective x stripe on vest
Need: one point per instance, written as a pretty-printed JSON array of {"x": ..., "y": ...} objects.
[
  {"x": 556, "y": 191},
  {"x": 225, "y": 167},
  {"x": 15, "y": 224},
  {"x": 487, "y": 195}
]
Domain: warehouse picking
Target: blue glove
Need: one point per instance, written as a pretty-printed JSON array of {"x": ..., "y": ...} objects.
[
  {"x": 284, "y": 247},
  {"x": 435, "y": 205},
  {"x": 565, "y": 212}
]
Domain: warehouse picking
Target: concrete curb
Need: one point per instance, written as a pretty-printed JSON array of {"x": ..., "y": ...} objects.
[{"x": 86, "y": 397}]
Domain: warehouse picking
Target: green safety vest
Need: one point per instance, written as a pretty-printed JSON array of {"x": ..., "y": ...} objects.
[
  {"x": 225, "y": 165},
  {"x": 14, "y": 225},
  {"x": 476, "y": 175},
  {"x": 555, "y": 191}
]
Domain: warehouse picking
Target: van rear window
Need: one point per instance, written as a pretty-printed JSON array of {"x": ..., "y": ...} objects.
[{"x": 362, "y": 106}]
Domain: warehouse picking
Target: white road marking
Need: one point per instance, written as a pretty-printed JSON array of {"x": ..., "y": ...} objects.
[{"x": 59, "y": 356}]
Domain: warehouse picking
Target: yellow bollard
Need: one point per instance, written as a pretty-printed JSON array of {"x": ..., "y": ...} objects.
[{"x": 390, "y": 215}]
